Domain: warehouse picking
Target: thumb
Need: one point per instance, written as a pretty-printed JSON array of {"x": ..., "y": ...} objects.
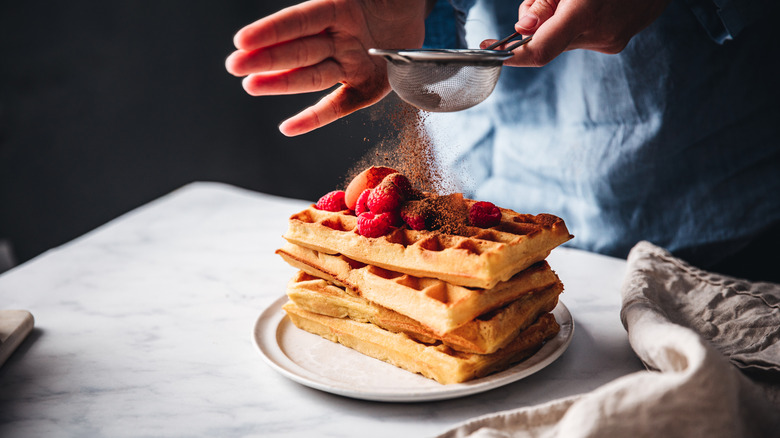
[
  {"x": 342, "y": 101},
  {"x": 532, "y": 13}
]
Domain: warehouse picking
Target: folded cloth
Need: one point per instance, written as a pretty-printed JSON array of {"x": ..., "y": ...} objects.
[
  {"x": 739, "y": 318},
  {"x": 695, "y": 331}
]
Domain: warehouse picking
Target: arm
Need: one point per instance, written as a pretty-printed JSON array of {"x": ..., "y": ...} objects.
[
  {"x": 560, "y": 25},
  {"x": 320, "y": 43}
]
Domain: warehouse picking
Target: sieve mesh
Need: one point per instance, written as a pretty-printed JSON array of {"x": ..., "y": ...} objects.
[
  {"x": 443, "y": 86},
  {"x": 443, "y": 80}
]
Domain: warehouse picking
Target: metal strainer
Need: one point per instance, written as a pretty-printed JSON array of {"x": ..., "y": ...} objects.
[{"x": 446, "y": 80}]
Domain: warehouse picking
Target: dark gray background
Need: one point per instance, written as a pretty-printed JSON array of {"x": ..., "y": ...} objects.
[{"x": 105, "y": 106}]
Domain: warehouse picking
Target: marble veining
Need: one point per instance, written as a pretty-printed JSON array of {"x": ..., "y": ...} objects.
[{"x": 144, "y": 328}]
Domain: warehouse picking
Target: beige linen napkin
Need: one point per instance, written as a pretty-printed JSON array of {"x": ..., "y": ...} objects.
[{"x": 694, "y": 330}]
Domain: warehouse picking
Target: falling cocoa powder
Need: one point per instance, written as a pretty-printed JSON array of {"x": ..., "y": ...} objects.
[
  {"x": 403, "y": 143},
  {"x": 414, "y": 154},
  {"x": 407, "y": 147}
]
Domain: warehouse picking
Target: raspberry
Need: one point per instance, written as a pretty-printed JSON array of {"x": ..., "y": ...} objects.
[
  {"x": 401, "y": 183},
  {"x": 394, "y": 217},
  {"x": 370, "y": 224},
  {"x": 384, "y": 197},
  {"x": 414, "y": 213},
  {"x": 332, "y": 201},
  {"x": 484, "y": 214},
  {"x": 361, "y": 206}
]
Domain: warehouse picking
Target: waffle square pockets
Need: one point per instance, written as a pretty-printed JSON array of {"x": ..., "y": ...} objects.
[{"x": 452, "y": 304}]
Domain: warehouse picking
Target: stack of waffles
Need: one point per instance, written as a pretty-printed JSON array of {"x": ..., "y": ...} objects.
[{"x": 450, "y": 306}]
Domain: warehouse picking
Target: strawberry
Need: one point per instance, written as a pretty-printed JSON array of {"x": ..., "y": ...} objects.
[
  {"x": 332, "y": 201},
  {"x": 484, "y": 214},
  {"x": 361, "y": 206},
  {"x": 371, "y": 224}
]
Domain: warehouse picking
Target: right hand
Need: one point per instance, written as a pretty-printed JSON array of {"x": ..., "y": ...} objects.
[
  {"x": 604, "y": 26},
  {"x": 320, "y": 43}
]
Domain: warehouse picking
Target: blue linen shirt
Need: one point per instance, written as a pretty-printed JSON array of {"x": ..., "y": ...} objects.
[{"x": 675, "y": 140}]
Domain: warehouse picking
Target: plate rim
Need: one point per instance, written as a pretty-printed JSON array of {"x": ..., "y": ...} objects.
[{"x": 270, "y": 320}]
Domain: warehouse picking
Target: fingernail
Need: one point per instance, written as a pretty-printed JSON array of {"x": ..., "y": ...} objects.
[{"x": 528, "y": 21}]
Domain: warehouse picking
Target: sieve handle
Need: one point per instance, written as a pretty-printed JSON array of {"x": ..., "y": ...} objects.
[
  {"x": 519, "y": 43},
  {"x": 510, "y": 37},
  {"x": 390, "y": 55}
]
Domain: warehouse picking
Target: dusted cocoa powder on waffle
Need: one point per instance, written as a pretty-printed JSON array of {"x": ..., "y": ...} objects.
[
  {"x": 451, "y": 213},
  {"x": 445, "y": 213}
]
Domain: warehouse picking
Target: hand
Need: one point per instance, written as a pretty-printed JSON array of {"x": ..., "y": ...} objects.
[
  {"x": 559, "y": 25},
  {"x": 320, "y": 43}
]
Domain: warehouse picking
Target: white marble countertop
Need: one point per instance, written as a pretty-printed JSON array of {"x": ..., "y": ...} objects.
[{"x": 144, "y": 326}]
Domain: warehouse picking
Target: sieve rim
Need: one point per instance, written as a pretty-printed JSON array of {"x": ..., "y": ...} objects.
[{"x": 465, "y": 56}]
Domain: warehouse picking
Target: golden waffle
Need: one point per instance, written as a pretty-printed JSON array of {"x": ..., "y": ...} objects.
[
  {"x": 482, "y": 335},
  {"x": 435, "y": 361},
  {"x": 478, "y": 257},
  {"x": 438, "y": 305}
]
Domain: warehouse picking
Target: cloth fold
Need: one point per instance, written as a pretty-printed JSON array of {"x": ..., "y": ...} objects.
[
  {"x": 739, "y": 318},
  {"x": 696, "y": 331}
]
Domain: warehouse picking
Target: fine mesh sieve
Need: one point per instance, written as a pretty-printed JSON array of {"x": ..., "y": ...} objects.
[{"x": 445, "y": 80}]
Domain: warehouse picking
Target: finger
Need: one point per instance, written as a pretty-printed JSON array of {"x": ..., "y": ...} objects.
[
  {"x": 487, "y": 43},
  {"x": 294, "y": 54},
  {"x": 532, "y": 15},
  {"x": 297, "y": 21},
  {"x": 343, "y": 101},
  {"x": 551, "y": 39},
  {"x": 303, "y": 80}
]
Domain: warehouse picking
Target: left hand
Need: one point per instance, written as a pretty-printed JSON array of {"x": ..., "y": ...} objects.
[{"x": 317, "y": 44}]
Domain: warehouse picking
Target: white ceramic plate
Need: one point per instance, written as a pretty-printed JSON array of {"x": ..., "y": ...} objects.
[{"x": 321, "y": 364}]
